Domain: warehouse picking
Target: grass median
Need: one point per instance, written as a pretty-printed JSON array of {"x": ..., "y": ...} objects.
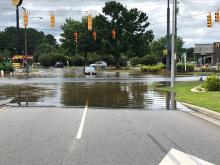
[{"x": 210, "y": 100}]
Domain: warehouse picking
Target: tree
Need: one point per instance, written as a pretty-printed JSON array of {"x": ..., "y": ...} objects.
[
  {"x": 67, "y": 41},
  {"x": 49, "y": 39},
  {"x": 190, "y": 54},
  {"x": 132, "y": 37},
  {"x": 130, "y": 25},
  {"x": 8, "y": 39},
  {"x": 157, "y": 47}
]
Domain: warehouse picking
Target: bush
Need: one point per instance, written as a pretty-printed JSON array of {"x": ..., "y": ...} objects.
[
  {"x": 1, "y": 67},
  {"x": 45, "y": 60},
  {"x": 181, "y": 67},
  {"x": 123, "y": 61},
  {"x": 212, "y": 83},
  {"x": 7, "y": 67},
  {"x": 148, "y": 60},
  {"x": 135, "y": 61},
  {"x": 78, "y": 60},
  {"x": 153, "y": 69},
  {"x": 93, "y": 58}
]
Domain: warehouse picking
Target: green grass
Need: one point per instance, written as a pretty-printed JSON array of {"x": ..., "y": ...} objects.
[{"x": 210, "y": 100}]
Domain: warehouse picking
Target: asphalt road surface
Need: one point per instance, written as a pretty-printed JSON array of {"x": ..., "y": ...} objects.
[{"x": 71, "y": 136}]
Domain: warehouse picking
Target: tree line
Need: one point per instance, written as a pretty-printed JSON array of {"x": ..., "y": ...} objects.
[{"x": 134, "y": 40}]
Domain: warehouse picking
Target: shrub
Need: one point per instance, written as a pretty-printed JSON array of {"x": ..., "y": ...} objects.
[
  {"x": 152, "y": 69},
  {"x": 123, "y": 61},
  {"x": 134, "y": 61},
  {"x": 7, "y": 67},
  {"x": 70, "y": 60},
  {"x": 78, "y": 60},
  {"x": 212, "y": 83},
  {"x": 93, "y": 58},
  {"x": 45, "y": 60},
  {"x": 1, "y": 67},
  {"x": 181, "y": 67},
  {"x": 148, "y": 60}
]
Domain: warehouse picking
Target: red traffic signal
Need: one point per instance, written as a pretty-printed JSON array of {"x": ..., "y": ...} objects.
[
  {"x": 217, "y": 16},
  {"x": 113, "y": 34},
  {"x": 94, "y": 35},
  {"x": 75, "y": 37}
]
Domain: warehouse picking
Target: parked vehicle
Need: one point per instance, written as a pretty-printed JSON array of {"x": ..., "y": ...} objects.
[
  {"x": 99, "y": 64},
  {"x": 58, "y": 65},
  {"x": 89, "y": 70}
]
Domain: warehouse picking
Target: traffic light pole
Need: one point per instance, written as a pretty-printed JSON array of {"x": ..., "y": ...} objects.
[
  {"x": 173, "y": 45},
  {"x": 168, "y": 37},
  {"x": 18, "y": 32}
]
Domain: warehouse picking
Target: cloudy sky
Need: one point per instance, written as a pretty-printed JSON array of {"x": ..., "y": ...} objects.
[{"x": 191, "y": 19}]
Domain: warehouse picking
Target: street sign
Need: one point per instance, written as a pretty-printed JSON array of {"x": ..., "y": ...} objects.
[{"x": 165, "y": 52}]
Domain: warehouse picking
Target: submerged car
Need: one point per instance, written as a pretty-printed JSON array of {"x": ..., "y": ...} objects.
[
  {"x": 99, "y": 64},
  {"x": 89, "y": 70}
]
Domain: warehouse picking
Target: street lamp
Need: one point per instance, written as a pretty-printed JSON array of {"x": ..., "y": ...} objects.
[{"x": 17, "y": 3}]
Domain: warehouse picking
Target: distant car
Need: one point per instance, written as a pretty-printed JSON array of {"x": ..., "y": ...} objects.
[
  {"x": 99, "y": 64},
  {"x": 58, "y": 65},
  {"x": 89, "y": 70}
]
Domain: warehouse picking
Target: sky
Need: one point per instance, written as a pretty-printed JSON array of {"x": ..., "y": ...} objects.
[{"x": 192, "y": 17}]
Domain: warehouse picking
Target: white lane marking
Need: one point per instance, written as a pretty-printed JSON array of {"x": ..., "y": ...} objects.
[
  {"x": 4, "y": 108},
  {"x": 182, "y": 158},
  {"x": 79, "y": 134}
]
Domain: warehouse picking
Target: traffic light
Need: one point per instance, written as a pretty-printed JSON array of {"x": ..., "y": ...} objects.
[
  {"x": 75, "y": 37},
  {"x": 113, "y": 34},
  {"x": 25, "y": 19},
  {"x": 94, "y": 35},
  {"x": 89, "y": 22},
  {"x": 209, "y": 20},
  {"x": 217, "y": 14},
  {"x": 52, "y": 20}
]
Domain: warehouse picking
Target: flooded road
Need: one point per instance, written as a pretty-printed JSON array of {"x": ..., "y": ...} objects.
[{"x": 69, "y": 87}]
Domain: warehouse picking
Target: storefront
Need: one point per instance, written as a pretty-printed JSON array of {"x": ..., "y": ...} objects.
[
  {"x": 207, "y": 53},
  {"x": 19, "y": 60}
]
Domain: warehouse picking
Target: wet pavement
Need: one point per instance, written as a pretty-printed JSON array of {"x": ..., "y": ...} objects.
[
  {"x": 108, "y": 89},
  {"x": 112, "y": 118}
]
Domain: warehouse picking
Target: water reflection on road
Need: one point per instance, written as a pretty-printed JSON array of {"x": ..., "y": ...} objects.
[{"x": 69, "y": 87}]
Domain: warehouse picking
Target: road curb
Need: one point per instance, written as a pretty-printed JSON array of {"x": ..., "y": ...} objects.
[{"x": 204, "y": 111}]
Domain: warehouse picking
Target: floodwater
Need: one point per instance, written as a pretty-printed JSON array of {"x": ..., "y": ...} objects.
[{"x": 71, "y": 88}]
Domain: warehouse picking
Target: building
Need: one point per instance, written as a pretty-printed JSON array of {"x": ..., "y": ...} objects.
[{"x": 207, "y": 53}]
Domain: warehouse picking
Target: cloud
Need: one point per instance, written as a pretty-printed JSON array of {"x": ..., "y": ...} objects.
[{"x": 191, "y": 18}]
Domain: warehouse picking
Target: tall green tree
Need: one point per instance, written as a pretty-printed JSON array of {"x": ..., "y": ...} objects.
[
  {"x": 49, "y": 39},
  {"x": 132, "y": 37},
  {"x": 67, "y": 42},
  {"x": 132, "y": 34},
  {"x": 157, "y": 47},
  {"x": 190, "y": 54},
  {"x": 8, "y": 39}
]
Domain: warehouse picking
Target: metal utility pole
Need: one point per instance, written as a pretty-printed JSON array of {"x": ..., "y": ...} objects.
[
  {"x": 17, "y": 3},
  {"x": 173, "y": 45},
  {"x": 168, "y": 37},
  {"x": 18, "y": 32}
]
